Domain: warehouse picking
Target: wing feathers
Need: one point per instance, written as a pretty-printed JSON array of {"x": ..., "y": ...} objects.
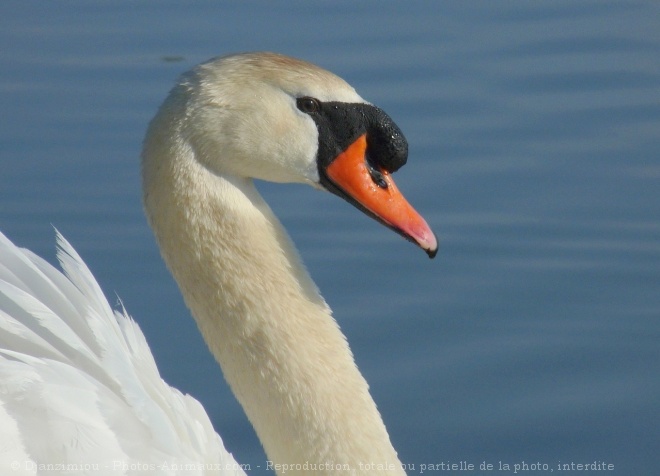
[{"x": 78, "y": 382}]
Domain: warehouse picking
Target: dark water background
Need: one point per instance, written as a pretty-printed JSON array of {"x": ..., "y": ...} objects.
[{"x": 534, "y": 131}]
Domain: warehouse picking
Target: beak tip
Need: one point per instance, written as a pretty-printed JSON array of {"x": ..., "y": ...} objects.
[{"x": 430, "y": 246}]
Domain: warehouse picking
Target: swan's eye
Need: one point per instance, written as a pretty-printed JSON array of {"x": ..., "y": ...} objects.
[{"x": 308, "y": 105}]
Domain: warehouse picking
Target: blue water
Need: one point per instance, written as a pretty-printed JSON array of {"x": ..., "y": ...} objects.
[{"x": 534, "y": 131}]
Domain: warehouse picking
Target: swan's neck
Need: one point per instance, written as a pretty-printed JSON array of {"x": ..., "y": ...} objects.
[{"x": 261, "y": 315}]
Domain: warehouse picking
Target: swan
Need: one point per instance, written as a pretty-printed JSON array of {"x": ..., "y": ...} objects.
[{"x": 78, "y": 384}]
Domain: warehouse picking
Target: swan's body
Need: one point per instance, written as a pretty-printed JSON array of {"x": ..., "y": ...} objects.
[
  {"x": 79, "y": 386},
  {"x": 274, "y": 118}
]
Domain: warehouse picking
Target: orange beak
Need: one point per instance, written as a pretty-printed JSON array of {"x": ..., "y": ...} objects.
[{"x": 350, "y": 172}]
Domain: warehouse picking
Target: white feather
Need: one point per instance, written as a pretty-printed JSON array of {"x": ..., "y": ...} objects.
[{"x": 79, "y": 385}]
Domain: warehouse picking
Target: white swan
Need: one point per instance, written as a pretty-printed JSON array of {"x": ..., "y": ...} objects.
[{"x": 78, "y": 384}]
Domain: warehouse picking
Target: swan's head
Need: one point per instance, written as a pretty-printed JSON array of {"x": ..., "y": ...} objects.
[{"x": 275, "y": 118}]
